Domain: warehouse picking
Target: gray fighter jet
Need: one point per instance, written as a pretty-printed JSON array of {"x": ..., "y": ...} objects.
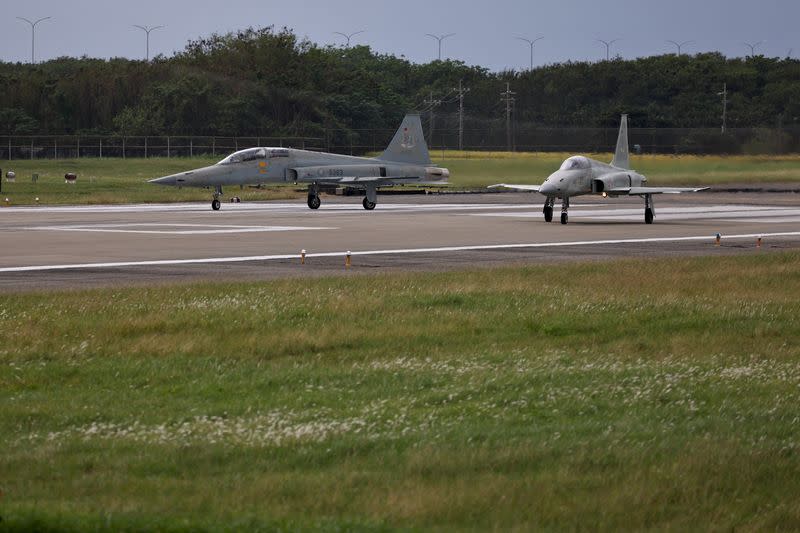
[
  {"x": 405, "y": 161},
  {"x": 580, "y": 175}
]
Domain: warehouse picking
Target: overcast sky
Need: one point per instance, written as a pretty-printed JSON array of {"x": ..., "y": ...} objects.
[{"x": 485, "y": 29}]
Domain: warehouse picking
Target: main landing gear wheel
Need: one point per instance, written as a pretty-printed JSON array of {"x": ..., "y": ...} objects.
[
  {"x": 564, "y": 218},
  {"x": 548, "y": 214},
  {"x": 215, "y": 204},
  {"x": 369, "y": 206},
  {"x": 314, "y": 201},
  {"x": 649, "y": 212}
]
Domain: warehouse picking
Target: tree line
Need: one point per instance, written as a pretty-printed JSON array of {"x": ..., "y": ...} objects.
[{"x": 269, "y": 82}]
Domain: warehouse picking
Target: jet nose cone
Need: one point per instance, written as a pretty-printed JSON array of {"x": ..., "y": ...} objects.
[{"x": 166, "y": 180}]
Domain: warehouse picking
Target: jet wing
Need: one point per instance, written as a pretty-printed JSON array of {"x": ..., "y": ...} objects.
[
  {"x": 632, "y": 191},
  {"x": 534, "y": 188}
]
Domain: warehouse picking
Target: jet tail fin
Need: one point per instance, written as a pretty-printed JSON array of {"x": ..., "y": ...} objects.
[
  {"x": 408, "y": 144},
  {"x": 621, "y": 155}
]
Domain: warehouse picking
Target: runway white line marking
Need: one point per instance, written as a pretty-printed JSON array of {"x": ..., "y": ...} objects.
[
  {"x": 668, "y": 213},
  {"x": 238, "y": 208},
  {"x": 487, "y": 247},
  {"x": 211, "y": 229}
]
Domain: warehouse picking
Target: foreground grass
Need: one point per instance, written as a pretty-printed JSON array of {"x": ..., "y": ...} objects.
[
  {"x": 103, "y": 181},
  {"x": 635, "y": 394}
]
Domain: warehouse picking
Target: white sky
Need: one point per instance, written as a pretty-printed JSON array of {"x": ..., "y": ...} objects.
[{"x": 485, "y": 30}]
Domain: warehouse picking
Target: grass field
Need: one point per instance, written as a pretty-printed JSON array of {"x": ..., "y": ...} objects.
[
  {"x": 635, "y": 394},
  {"x": 125, "y": 180}
]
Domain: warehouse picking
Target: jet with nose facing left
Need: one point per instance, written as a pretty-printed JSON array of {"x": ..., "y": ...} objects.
[
  {"x": 405, "y": 161},
  {"x": 580, "y": 175}
]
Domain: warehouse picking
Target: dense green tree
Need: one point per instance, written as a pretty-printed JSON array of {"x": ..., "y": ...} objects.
[{"x": 268, "y": 82}]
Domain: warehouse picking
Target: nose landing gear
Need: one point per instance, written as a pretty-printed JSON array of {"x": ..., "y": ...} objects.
[{"x": 548, "y": 208}]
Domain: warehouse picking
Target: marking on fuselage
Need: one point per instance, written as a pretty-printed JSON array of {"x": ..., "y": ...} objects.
[{"x": 442, "y": 249}]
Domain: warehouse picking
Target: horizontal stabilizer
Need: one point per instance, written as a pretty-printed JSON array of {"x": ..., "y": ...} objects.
[{"x": 534, "y": 188}]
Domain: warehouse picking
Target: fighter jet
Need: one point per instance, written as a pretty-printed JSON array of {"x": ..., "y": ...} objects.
[
  {"x": 580, "y": 175},
  {"x": 405, "y": 161}
]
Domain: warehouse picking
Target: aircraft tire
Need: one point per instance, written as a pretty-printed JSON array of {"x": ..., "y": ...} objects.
[
  {"x": 215, "y": 204},
  {"x": 648, "y": 216},
  {"x": 548, "y": 214},
  {"x": 564, "y": 218},
  {"x": 313, "y": 201},
  {"x": 369, "y": 206}
]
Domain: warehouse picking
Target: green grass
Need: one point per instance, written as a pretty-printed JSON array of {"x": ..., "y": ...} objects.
[
  {"x": 632, "y": 394},
  {"x": 125, "y": 180}
]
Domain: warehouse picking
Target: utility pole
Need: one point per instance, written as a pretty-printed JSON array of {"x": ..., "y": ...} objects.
[
  {"x": 440, "y": 38},
  {"x": 461, "y": 92},
  {"x": 147, "y": 30},
  {"x": 508, "y": 98},
  {"x": 431, "y": 105},
  {"x": 33, "y": 34},
  {"x": 724, "y": 95}
]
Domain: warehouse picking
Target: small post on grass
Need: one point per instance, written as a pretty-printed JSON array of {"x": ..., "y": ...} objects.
[
  {"x": 719, "y": 238},
  {"x": 758, "y": 242},
  {"x": 347, "y": 259},
  {"x": 302, "y": 257}
]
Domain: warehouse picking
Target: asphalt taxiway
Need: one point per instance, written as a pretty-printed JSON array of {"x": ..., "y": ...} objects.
[{"x": 80, "y": 246}]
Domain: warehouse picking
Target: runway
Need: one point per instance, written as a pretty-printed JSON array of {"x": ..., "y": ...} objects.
[{"x": 83, "y": 246}]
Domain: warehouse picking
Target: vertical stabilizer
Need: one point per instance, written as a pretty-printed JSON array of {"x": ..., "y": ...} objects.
[
  {"x": 408, "y": 144},
  {"x": 621, "y": 155}
]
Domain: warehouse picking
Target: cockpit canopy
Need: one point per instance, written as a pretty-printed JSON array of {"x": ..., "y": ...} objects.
[
  {"x": 577, "y": 162},
  {"x": 242, "y": 156}
]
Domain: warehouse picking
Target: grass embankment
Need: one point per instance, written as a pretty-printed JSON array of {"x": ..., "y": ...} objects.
[
  {"x": 621, "y": 395},
  {"x": 103, "y": 181}
]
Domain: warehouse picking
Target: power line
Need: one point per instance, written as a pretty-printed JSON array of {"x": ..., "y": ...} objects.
[{"x": 431, "y": 103}]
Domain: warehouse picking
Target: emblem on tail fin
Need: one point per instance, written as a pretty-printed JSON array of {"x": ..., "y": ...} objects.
[{"x": 408, "y": 140}]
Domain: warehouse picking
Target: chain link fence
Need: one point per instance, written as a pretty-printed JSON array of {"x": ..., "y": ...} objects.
[{"x": 491, "y": 136}]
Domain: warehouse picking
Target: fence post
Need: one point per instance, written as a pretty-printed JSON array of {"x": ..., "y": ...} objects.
[
  {"x": 31, "y": 148},
  {"x": 145, "y": 147},
  {"x": 79, "y": 148},
  {"x": 191, "y": 147},
  {"x": 123, "y": 148},
  {"x": 55, "y": 147},
  {"x": 101, "y": 148},
  {"x": 167, "y": 146},
  {"x": 9, "y": 149},
  {"x": 213, "y": 147}
]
